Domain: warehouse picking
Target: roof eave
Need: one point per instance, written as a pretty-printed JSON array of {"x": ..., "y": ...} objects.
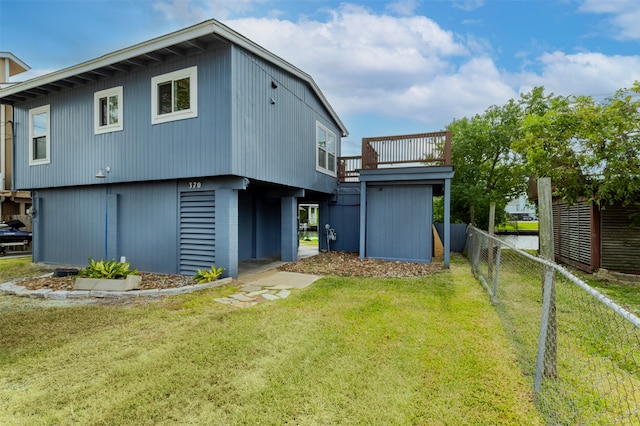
[{"x": 202, "y": 29}]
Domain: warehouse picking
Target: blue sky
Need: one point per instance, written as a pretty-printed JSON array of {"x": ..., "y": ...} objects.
[{"x": 387, "y": 67}]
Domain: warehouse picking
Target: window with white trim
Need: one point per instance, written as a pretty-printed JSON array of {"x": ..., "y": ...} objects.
[
  {"x": 325, "y": 150},
  {"x": 107, "y": 110},
  {"x": 174, "y": 96},
  {"x": 39, "y": 136}
]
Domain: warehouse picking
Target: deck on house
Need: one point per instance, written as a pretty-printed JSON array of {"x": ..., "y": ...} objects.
[{"x": 415, "y": 150}]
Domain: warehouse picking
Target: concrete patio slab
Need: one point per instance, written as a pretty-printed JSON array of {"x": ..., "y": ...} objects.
[{"x": 280, "y": 280}]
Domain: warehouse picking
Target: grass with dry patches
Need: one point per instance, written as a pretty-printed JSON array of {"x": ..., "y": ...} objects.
[{"x": 354, "y": 350}]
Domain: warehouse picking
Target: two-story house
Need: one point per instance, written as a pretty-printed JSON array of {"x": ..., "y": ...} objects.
[{"x": 190, "y": 149}]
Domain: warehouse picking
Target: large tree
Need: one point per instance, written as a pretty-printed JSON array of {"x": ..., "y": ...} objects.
[
  {"x": 486, "y": 168},
  {"x": 589, "y": 149}
]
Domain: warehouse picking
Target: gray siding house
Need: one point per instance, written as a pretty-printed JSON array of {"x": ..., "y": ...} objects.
[{"x": 184, "y": 151}]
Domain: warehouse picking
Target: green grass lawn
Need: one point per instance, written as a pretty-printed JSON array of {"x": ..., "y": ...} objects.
[
  {"x": 521, "y": 225},
  {"x": 14, "y": 267},
  {"x": 343, "y": 351}
]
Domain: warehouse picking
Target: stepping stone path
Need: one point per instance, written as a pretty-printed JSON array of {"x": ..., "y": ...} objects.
[
  {"x": 267, "y": 286},
  {"x": 250, "y": 295}
]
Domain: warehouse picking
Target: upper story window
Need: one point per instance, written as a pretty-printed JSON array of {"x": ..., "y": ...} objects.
[
  {"x": 174, "y": 96},
  {"x": 39, "y": 135},
  {"x": 107, "y": 108},
  {"x": 325, "y": 150}
]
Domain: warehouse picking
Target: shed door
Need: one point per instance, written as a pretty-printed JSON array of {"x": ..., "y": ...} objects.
[
  {"x": 399, "y": 222},
  {"x": 197, "y": 231}
]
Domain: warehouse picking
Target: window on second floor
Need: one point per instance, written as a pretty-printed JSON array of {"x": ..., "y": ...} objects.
[
  {"x": 107, "y": 108},
  {"x": 174, "y": 96},
  {"x": 39, "y": 136},
  {"x": 325, "y": 150}
]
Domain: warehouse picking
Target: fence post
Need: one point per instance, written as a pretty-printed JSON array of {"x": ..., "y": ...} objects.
[
  {"x": 492, "y": 219},
  {"x": 494, "y": 299},
  {"x": 546, "y": 365}
]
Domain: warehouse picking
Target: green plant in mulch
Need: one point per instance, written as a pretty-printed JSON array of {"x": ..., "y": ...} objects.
[
  {"x": 109, "y": 269},
  {"x": 205, "y": 276}
]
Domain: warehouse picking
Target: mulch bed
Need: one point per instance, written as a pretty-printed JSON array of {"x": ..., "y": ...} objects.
[
  {"x": 346, "y": 264},
  {"x": 149, "y": 282},
  {"x": 332, "y": 263}
]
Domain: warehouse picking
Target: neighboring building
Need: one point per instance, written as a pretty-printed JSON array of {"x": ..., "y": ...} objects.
[
  {"x": 521, "y": 207},
  {"x": 197, "y": 148},
  {"x": 13, "y": 204}
]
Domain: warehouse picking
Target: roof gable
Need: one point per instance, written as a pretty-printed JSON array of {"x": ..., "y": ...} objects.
[{"x": 177, "y": 44}]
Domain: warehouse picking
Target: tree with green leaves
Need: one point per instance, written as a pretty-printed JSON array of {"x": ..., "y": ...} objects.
[
  {"x": 486, "y": 168},
  {"x": 589, "y": 149}
]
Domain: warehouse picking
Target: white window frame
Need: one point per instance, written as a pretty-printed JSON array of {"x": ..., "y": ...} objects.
[
  {"x": 33, "y": 112},
  {"x": 191, "y": 112},
  {"x": 97, "y": 112},
  {"x": 326, "y": 169}
]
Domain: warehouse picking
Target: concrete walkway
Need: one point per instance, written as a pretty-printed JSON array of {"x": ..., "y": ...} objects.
[{"x": 260, "y": 281}]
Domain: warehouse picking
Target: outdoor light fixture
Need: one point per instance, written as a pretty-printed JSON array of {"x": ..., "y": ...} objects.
[{"x": 101, "y": 173}]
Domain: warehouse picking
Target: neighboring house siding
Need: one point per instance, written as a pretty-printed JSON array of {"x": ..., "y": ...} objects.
[
  {"x": 620, "y": 239},
  {"x": 141, "y": 151},
  {"x": 276, "y": 142}
]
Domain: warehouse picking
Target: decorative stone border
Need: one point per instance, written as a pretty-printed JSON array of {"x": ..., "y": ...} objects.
[{"x": 10, "y": 288}]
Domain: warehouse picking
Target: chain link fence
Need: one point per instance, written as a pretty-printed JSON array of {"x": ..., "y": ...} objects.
[{"x": 580, "y": 350}]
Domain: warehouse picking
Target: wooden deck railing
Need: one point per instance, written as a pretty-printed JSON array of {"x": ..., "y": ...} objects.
[
  {"x": 349, "y": 168},
  {"x": 421, "y": 150}
]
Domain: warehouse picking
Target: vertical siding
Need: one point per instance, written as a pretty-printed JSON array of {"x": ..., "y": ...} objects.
[
  {"x": 148, "y": 226},
  {"x": 274, "y": 129},
  {"x": 238, "y": 129},
  {"x": 267, "y": 227},
  {"x": 185, "y": 148},
  {"x": 246, "y": 226},
  {"x": 71, "y": 225},
  {"x": 343, "y": 216},
  {"x": 621, "y": 238},
  {"x": 399, "y": 222}
]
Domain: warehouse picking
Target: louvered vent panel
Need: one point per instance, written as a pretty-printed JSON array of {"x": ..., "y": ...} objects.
[
  {"x": 197, "y": 231},
  {"x": 573, "y": 231}
]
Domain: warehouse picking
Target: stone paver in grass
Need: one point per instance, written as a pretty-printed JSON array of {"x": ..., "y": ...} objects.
[
  {"x": 270, "y": 296},
  {"x": 284, "y": 293},
  {"x": 242, "y": 297},
  {"x": 267, "y": 286}
]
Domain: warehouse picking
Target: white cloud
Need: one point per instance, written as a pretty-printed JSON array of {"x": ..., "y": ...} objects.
[
  {"x": 407, "y": 66},
  {"x": 191, "y": 11},
  {"x": 468, "y": 5},
  {"x": 625, "y": 15},
  {"x": 403, "y": 7},
  {"x": 591, "y": 74},
  {"x": 363, "y": 62}
]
